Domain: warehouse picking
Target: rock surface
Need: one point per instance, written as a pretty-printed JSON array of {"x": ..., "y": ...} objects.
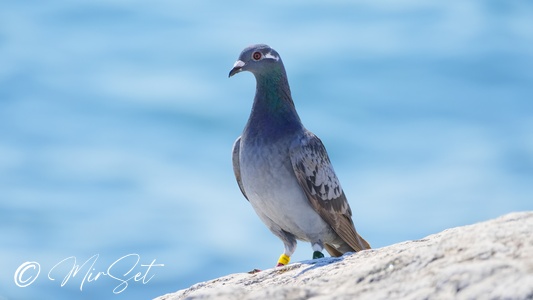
[{"x": 488, "y": 260}]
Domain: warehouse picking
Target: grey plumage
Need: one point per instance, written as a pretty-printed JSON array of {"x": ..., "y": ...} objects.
[{"x": 283, "y": 169}]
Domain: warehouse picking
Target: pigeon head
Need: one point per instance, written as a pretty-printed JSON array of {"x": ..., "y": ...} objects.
[{"x": 259, "y": 59}]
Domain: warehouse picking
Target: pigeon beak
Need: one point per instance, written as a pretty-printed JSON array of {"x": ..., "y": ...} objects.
[{"x": 237, "y": 67}]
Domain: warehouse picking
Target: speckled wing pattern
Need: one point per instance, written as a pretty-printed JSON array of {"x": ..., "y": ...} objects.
[
  {"x": 236, "y": 164},
  {"x": 317, "y": 178}
]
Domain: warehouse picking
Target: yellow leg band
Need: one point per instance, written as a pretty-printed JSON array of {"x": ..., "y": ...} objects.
[{"x": 284, "y": 259}]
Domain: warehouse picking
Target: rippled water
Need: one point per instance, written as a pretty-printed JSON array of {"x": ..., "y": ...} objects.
[{"x": 117, "y": 121}]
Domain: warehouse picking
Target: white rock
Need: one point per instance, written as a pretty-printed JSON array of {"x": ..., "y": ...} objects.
[{"x": 488, "y": 260}]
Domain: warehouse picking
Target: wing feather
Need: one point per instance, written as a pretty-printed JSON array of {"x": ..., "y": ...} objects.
[
  {"x": 236, "y": 164},
  {"x": 317, "y": 178}
]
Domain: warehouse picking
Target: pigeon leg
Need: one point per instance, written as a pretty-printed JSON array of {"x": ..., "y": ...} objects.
[
  {"x": 317, "y": 247},
  {"x": 290, "y": 247},
  {"x": 289, "y": 243},
  {"x": 283, "y": 260}
]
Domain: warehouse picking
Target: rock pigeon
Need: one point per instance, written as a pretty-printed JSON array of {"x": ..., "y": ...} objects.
[{"x": 283, "y": 169}]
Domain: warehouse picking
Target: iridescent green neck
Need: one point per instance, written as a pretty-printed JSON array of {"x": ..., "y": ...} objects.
[{"x": 273, "y": 111}]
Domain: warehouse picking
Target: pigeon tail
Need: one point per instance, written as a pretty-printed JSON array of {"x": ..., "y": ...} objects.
[{"x": 339, "y": 250}]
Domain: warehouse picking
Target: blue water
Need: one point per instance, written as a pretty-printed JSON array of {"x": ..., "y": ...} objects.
[{"x": 117, "y": 121}]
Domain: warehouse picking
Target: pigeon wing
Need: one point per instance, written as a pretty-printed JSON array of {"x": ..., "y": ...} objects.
[
  {"x": 236, "y": 164},
  {"x": 317, "y": 178}
]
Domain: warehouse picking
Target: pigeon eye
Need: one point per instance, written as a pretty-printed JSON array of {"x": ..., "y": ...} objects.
[{"x": 257, "y": 55}]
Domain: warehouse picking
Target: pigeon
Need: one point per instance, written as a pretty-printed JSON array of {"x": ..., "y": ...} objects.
[{"x": 283, "y": 169}]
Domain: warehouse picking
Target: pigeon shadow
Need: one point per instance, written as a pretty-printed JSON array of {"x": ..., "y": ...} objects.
[{"x": 321, "y": 262}]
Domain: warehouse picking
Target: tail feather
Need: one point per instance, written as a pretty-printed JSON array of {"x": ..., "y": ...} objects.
[
  {"x": 339, "y": 250},
  {"x": 363, "y": 242},
  {"x": 332, "y": 250}
]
